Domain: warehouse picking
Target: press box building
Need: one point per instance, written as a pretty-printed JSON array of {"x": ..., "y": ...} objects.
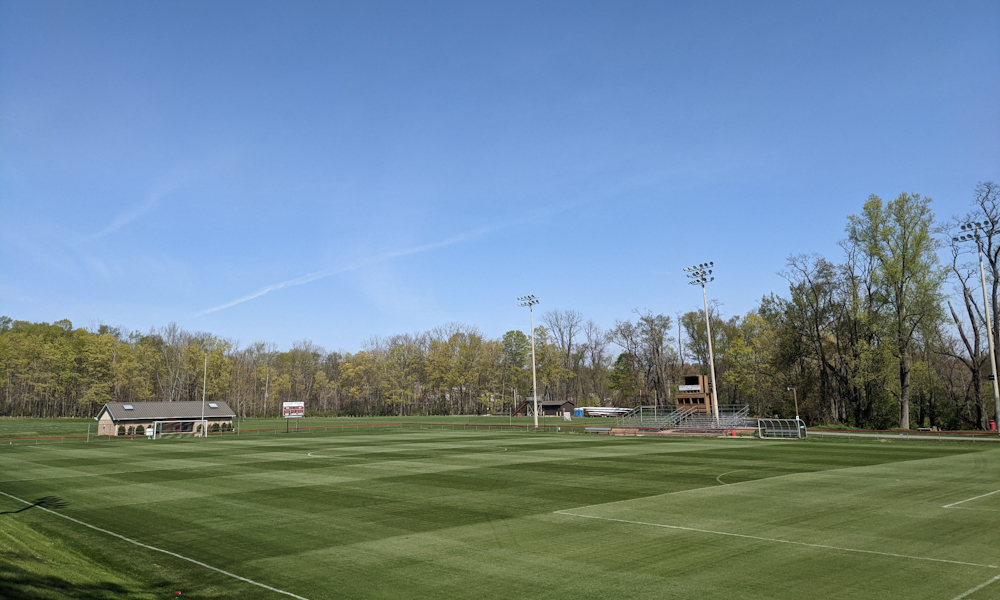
[{"x": 696, "y": 393}]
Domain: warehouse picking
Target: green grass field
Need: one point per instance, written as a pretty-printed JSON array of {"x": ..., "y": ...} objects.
[{"x": 430, "y": 513}]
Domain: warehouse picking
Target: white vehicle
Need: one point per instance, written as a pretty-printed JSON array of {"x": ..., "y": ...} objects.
[{"x": 601, "y": 411}]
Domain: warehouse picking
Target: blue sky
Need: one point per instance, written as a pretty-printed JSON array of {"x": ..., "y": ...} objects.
[{"x": 280, "y": 171}]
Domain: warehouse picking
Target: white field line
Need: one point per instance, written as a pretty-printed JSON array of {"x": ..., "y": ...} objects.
[
  {"x": 719, "y": 478},
  {"x": 707, "y": 487},
  {"x": 976, "y": 589},
  {"x": 502, "y": 449},
  {"x": 154, "y": 548},
  {"x": 764, "y": 539},
  {"x": 953, "y": 504}
]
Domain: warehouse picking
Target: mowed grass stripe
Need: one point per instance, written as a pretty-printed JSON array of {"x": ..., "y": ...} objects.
[
  {"x": 264, "y": 506},
  {"x": 780, "y": 541},
  {"x": 160, "y": 550},
  {"x": 886, "y": 508}
]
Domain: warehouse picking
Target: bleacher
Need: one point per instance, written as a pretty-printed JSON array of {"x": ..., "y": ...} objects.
[{"x": 686, "y": 419}]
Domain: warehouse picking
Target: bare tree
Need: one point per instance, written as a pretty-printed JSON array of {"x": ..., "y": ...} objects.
[{"x": 564, "y": 325}]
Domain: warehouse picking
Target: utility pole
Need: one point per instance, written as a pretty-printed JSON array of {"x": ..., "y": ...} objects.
[
  {"x": 204, "y": 383},
  {"x": 795, "y": 397},
  {"x": 699, "y": 275},
  {"x": 530, "y": 302}
]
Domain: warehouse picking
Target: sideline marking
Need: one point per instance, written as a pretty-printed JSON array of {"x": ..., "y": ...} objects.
[
  {"x": 976, "y": 589},
  {"x": 764, "y": 539},
  {"x": 970, "y": 499},
  {"x": 174, "y": 554}
]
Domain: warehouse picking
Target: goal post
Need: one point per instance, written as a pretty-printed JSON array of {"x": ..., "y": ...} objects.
[
  {"x": 192, "y": 427},
  {"x": 778, "y": 429}
]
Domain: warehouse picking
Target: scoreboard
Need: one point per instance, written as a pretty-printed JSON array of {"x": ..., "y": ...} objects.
[{"x": 293, "y": 410}]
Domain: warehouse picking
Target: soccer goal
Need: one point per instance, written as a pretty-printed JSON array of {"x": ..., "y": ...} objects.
[
  {"x": 781, "y": 428},
  {"x": 195, "y": 427}
]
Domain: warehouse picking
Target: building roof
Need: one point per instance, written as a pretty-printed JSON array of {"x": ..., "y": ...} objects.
[{"x": 162, "y": 411}]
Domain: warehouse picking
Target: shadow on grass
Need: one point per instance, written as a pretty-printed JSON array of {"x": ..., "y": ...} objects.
[
  {"x": 44, "y": 502},
  {"x": 16, "y": 582}
]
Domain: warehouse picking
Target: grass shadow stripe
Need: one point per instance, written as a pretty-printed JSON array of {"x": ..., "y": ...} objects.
[
  {"x": 161, "y": 550},
  {"x": 778, "y": 541}
]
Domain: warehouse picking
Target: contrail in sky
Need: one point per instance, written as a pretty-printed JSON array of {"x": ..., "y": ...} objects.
[
  {"x": 128, "y": 216},
  {"x": 364, "y": 263},
  {"x": 152, "y": 201}
]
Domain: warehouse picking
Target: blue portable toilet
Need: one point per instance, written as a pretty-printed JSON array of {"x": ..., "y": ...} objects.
[{"x": 577, "y": 412}]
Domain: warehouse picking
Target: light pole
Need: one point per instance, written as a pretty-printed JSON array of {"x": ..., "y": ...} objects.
[
  {"x": 530, "y": 302},
  {"x": 204, "y": 382},
  {"x": 795, "y": 397},
  {"x": 975, "y": 233},
  {"x": 699, "y": 275}
]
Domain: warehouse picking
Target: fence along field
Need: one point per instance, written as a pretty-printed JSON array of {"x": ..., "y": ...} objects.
[{"x": 460, "y": 514}]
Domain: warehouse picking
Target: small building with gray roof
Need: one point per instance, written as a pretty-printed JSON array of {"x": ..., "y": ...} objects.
[{"x": 173, "y": 417}]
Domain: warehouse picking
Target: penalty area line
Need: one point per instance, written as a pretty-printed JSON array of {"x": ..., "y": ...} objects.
[
  {"x": 775, "y": 540},
  {"x": 953, "y": 504},
  {"x": 697, "y": 489},
  {"x": 976, "y": 589},
  {"x": 161, "y": 550}
]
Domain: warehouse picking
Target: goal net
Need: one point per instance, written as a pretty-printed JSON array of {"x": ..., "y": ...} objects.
[
  {"x": 188, "y": 427},
  {"x": 781, "y": 428}
]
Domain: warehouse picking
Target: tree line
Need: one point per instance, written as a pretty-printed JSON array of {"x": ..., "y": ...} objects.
[{"x": 891, "y": 334}]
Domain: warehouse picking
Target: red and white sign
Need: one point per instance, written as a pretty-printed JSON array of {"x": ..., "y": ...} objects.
[{"x": 293, "y": 410}]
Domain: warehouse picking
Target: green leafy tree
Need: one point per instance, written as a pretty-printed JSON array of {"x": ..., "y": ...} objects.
[
  {"x": 625, "y": 377},
  {"x": 898, "y": 235}
]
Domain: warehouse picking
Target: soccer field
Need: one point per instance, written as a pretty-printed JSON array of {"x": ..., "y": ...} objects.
[{"x": 411, "y": 513}]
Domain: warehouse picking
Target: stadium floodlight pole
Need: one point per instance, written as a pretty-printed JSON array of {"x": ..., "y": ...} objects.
[
  {"x": 530, "y": 302},
  {"x": 795, "y": 397},
  {"x": 976, "y": 230},
  {"x": 699, "y": 275}
]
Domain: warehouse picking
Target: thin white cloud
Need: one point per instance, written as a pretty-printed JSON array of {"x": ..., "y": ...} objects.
[
  {"x": 358, "y": 265},
  {"x": 127, "y": 217},
  {"x": 151, "y": 203}
]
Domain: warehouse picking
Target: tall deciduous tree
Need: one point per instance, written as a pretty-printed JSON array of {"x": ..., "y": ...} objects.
[{"x": 899, "y": 235}]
